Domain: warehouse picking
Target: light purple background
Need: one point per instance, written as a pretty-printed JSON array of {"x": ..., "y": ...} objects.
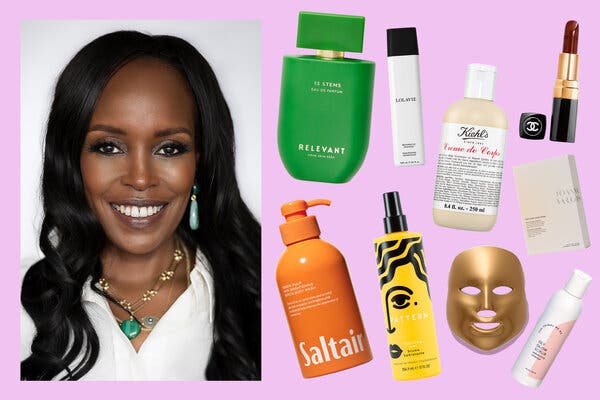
[{"x": 523, "y": 40}]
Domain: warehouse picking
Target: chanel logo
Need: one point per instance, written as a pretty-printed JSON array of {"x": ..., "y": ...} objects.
[{"x": 533, "y": 126}]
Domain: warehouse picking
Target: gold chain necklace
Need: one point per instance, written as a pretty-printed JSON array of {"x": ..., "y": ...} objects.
[{"x": 132, "y": 326}]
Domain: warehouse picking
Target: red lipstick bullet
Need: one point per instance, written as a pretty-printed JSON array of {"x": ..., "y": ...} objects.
[{"x": 566, "y": 88}]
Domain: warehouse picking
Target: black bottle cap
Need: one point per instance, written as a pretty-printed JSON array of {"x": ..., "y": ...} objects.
[
  {"x": 394, "y": 220},
  {"x": 532, "y": 126},
  {"x": 402, "y": 42}
]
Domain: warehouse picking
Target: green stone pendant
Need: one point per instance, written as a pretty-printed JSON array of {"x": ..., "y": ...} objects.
[{"x": 131, "y": 328}]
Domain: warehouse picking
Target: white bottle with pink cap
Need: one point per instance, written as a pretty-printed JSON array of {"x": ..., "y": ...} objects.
[{"x": 551, "y": 331}]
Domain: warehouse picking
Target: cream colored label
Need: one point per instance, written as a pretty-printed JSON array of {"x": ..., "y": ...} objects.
[{"x": 469, "y": 173}]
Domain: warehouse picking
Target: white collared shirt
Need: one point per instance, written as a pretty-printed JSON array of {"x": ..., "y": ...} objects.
[{"x": 177, "y": 348}]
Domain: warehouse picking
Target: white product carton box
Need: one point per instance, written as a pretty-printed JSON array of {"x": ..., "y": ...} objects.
[{"x": 551, "y": 205}]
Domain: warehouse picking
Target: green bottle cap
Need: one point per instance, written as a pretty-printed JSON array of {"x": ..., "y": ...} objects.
[{"x": 330, "y": 32}]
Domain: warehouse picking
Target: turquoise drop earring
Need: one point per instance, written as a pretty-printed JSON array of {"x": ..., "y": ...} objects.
[{"x": 194, "y": 218}]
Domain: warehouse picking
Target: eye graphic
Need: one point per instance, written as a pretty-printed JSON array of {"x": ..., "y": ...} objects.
[
  {"x": 400, "y": 301},
  {"x": 399, "y": 298},
  {"x": 502, "y": 290},
  {"x": 470, "y": 290}
]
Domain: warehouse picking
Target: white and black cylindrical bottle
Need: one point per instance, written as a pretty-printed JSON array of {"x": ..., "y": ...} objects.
[
  {"x": 551, "y": 331},
  {"x": 405, "y": 96}
]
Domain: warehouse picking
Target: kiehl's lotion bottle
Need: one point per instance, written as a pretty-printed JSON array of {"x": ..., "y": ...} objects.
[
  {"x": 551, "y": 331},
  {"x": 471, "y": 157},
  {"x": 318, "y": 297},
  {"x": 405, "y": 96},
  {"x": 325, "y": 103},
  {"x": 405, "y": 297}
]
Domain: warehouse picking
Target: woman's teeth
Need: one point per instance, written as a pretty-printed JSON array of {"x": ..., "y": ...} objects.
[{"x": 137, "y": 212}]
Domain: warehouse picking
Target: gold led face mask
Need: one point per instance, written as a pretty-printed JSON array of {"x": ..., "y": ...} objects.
[{"x": 486, "y": 305}]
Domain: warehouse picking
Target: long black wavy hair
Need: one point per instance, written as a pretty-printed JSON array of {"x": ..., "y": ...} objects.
[{"x": 66, "y": 345}]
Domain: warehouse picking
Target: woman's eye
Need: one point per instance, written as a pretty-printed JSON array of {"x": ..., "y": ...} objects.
[
  {"x": 400, "y": 301},
  {"x": 106, "y": 148},
  {"x": 172, "y": 149}
]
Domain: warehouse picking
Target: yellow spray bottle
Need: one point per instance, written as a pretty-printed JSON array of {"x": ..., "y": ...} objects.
[{"x": 405, "y": 296}]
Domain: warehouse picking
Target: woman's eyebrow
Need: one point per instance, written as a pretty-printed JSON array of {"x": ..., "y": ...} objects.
[
  {"x": 106, "y": 128},
  {"x": 159, "y": 133},
  {"x": 172, "y": 131}
]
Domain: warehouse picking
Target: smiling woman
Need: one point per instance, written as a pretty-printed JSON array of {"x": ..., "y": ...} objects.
[
  {"x": 139, "y": 152},
  {"x": 152, "y": 259}
]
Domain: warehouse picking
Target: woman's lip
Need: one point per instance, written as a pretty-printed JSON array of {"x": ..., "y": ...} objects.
[{"x": 138, "y": 222}]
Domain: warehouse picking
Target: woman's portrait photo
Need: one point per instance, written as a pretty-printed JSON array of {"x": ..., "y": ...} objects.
[{"x": 140, "y": 212}]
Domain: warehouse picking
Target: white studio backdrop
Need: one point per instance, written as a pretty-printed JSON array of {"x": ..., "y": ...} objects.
[{"x": 232, "y": 47}]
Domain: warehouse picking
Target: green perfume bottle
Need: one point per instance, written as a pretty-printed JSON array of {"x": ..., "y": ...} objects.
[{"x": 326, "y": 100}]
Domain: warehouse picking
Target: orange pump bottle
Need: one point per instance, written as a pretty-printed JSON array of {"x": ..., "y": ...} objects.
[{"x": 318, "y": 297}]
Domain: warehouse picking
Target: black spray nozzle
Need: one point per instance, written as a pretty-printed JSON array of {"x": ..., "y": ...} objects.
[{"x": 394, "y": 220}]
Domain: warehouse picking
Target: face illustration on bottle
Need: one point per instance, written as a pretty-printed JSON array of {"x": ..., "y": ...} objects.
[
  {"x": 486, "y": 306},
  {"x": 402, "y": 307},
  {"x": 406, "y": 299}
]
